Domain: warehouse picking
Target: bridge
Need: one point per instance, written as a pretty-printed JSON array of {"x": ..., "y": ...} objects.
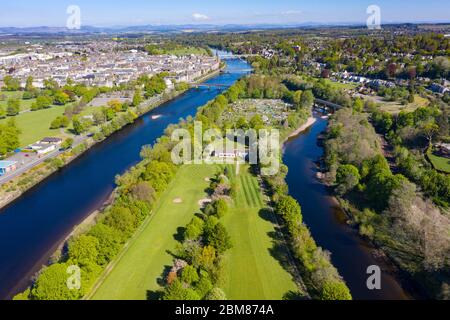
[
  {"x": 327, "y": 105},
  {"x": 236, "y": 56},
  {"x": 209, "y": 85}
]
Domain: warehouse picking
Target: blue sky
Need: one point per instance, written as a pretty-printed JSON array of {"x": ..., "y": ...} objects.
[{"x": 139, "y": 12}]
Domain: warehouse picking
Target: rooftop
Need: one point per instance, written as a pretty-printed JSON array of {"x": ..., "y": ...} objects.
[{"x": 6, "y": 164}]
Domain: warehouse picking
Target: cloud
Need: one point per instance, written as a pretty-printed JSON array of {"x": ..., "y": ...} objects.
[
  {"x": 291, "y": 12},
  {"x": 200, "y": 17}
]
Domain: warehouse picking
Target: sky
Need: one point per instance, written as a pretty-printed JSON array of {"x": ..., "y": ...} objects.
[{"x": 26, "y": 13}]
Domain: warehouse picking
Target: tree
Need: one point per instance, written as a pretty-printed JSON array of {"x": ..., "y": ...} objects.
[
  {"x": 121, "y": 219},
  {"x": 289, "y": 207},
  {"x": 83, "y": 250},
  {"x": 347, "y": 177},
  {"x": 429, "y": 130},
  {"x": 9, "y": 136},
  {"x": 60, "y": 98},
  {"x": 67, "y": 144},
  {"x": 11, "y": 84},
  {"x": 220, "y": 207},
  {"x": 78, "y": 125},
  {"x": 335, "y": 290},
  {"x": 307, "y": 100},
  {"x": 29, "y": 84},
  {"x": 52, "y": 285},
  {"x": 176, "y": 291},
  {"x": 143, "y": 191},
  {"x": 137, "y": 98},
  {"x": 109, "y": 242},
  {"x": 194, "y": 229},
  {"x": 13, "y": 107},
  {"x": 189, "y": 275},
  {"x": 59, "y": 122},
  {"x": 207, "y": 257},
  {"x": 42, "y": 102},
  {"x": 216, "y": 294},
  {"x": 219, "y": 238}
]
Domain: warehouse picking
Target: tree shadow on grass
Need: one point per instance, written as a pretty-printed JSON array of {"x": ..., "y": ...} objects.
[
  {"x": 161, "y": 281},
  {"x": 154, "y": 294},
  {"x": 294, "y": 295},
  {"x": 179, "y": 236}
]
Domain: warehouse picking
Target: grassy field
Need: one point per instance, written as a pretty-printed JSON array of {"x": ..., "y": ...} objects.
[
  {"x": 252, "y": 269},
  {"x": 440, "y": 163},
  {"x": 143, "y": 263},
  {"x": 36, "y": 125},
  {"x": 395, "y": 107},
  {"x": 24, "y": 104}
]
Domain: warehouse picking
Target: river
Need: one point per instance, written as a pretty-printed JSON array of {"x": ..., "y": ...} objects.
[
  {"x": 350, "y": 254},
  {"x": 32, "y": 227}
]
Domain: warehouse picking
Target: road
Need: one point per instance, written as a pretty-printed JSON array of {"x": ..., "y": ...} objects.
[{"x": 22, "y": 169}]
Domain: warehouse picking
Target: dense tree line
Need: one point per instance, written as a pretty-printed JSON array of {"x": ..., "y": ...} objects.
[
  {"x": 416, "y": 131},
  {"x": 198, "y": 269},
  {"x": 322, "y": 278},
  {"x": 389, "y": 210}
]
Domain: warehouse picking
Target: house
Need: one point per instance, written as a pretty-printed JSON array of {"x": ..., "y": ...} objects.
[
  {"x": 439, "y": 88},
  {"x": 51, "y": 140},
  {"x": 7, "y": 166},
  {"x": 443, "y": 149},
  {"x": 42, "y": 148}
]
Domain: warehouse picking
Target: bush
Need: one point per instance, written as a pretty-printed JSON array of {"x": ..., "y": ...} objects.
[
  {"x": 216, "y": 294},
  {"x": 335, "y": 290}
]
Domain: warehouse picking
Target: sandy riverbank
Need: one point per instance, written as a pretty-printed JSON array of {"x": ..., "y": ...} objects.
[{"x": 309, "y": 123}]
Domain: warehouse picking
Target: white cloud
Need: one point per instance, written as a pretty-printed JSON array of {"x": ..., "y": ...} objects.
[
  {"x": 291, "y": 12},
  {"x": 200, "y": 17}
]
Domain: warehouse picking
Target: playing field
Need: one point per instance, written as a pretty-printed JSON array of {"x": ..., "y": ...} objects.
[
  {"x": 142, "y": 265},
  {"x": 35, "y": 125},
  {"x": 253, "y": 270}
]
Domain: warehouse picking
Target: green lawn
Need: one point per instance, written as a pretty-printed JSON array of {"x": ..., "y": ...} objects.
[
  {"x": 440, "y": 163},
  {"x": 24, "y": 104},
  {"x": 35, "y": 125},
  {"x": 252, "y": 270},
  {"x": 187, "y": 51},
  {"x": 143, "y": 263}
]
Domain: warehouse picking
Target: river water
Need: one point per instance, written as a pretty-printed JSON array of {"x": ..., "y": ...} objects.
[{"x": 349, "y": 253}]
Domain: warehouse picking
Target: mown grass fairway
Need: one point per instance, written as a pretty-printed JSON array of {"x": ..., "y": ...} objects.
[
  {"x": 143, "y": 263},
  {"x": 35, "y": 125},
  {"x": 252, "y": 271}
]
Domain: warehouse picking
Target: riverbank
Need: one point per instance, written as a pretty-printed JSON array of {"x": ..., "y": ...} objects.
[{"x": 309, "y": 122}]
